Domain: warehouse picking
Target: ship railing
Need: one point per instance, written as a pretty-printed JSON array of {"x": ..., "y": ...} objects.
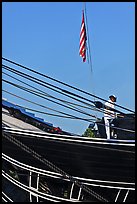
[
  {"x": 32, "y": 187},
  {"x": 6, "y": 198},
  {"x": 93, "y": 182},
  {"x": 32, "y": 191},
  {"x": 35, "y": 194},
  {"x": 74, "y": 139},
  {"x": 72, "y": 190}
]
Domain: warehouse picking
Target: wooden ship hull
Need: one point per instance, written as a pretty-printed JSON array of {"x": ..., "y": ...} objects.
[{"x": 62, "y": 167}]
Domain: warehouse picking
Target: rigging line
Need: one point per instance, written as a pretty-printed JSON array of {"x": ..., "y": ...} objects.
[
  {"x": 38, "y": 82},
  {"x": 55, "y": 97},
  {"x": 32, "y": 91},
  {"x": 73, "y": 117},
  {"x": 99, "y": 110},
  {"x": 60, "y": 99},
  {"x": 76, "y": 109},
  {"x": 117, "y": 128},
  {"x": 89, "y": 54},
  {"x": 32, "y": 79},
  {"x": 36, "y": 72},
  {"x": 70, "y": 117},
  {"x": 37, "y": 94},
  {"x": 44, "y": 93},
  {"x": 88, "y": 47},
  {"x": 44, "y": 106}
]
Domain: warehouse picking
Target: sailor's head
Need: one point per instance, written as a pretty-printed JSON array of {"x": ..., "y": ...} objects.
[{"x": 113, "y": 98}]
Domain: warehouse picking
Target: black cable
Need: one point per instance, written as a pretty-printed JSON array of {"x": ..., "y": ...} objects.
[
  {"x": 44, "y": 93},
  {"x": 70, "y": 117},
  {"x": 38, "y": 82},
  {"x": 62, "y": 83},
  {"x": 75, "y": 117},
  {"x": 36, "y": 93},
  {"x": 24, "y": 75}
]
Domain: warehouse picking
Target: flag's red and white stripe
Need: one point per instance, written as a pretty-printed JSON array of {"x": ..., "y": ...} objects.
[{"x": 83, "y": 39}]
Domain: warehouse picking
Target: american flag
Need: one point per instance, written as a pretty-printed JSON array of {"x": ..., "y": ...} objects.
[{"x": 83, "y": 38}]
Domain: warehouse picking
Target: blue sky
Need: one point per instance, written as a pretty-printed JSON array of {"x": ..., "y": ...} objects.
[{"x": 45, "y": 37}]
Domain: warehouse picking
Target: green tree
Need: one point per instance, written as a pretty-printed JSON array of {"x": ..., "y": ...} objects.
[{"x": 88, "y": 133}]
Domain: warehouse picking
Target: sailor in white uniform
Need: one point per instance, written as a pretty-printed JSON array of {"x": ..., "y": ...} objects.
[{"x": 109, "y": 114}]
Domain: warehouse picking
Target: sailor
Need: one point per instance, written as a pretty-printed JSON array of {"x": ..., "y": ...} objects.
[{"x": 109, "y": 114}]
